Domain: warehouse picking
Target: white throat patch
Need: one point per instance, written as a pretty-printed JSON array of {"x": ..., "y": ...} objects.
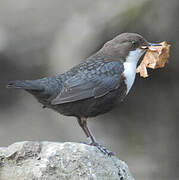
[{"x": 130, "y": 67}]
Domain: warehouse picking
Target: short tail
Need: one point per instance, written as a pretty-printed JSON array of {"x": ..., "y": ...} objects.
[{"x": 25, "y": 84}]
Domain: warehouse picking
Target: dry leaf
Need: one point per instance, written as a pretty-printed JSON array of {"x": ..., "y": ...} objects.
[{"x": 155, "y": 57}]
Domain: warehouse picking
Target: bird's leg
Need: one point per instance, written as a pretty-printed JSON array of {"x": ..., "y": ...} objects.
[{"x": 83, "y": 124}]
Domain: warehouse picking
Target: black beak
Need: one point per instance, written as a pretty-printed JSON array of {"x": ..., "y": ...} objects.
[
  {"x": 150, "y": 44},
  {"x": 154, "y": 44}
]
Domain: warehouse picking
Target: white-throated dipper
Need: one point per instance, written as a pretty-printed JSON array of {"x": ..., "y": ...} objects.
[{"x": 93, "y": 87}]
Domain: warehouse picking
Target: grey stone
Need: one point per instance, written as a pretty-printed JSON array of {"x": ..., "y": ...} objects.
[{"x": 64, "y": 161}]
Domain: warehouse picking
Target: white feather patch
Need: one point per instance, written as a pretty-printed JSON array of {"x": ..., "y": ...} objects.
[{"x": 130, "y": 67}]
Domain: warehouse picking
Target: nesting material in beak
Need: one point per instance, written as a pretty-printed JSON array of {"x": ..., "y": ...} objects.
[{"x": 155, "y": 57}]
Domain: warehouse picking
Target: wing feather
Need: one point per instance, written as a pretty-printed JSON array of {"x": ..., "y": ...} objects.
[{"x": 86, "y": 85}]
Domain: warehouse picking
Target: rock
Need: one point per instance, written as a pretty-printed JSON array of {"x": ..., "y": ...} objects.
[{"x": 64, "y": 161}]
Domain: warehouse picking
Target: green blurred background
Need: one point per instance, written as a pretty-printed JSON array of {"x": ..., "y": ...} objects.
[{"x": 42, "y": 38}]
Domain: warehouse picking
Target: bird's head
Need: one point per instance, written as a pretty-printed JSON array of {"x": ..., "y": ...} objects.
[{"x": 126, "y": 47}]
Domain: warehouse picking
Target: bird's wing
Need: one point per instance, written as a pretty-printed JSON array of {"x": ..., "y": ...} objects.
[{"x": 91, "y": 83}]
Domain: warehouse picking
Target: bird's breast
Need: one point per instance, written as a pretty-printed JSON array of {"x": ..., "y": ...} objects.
[{"x": 129, "y": 74}]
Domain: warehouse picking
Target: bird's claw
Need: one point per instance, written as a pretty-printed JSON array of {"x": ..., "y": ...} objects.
[{"x": 103, "y": 149}]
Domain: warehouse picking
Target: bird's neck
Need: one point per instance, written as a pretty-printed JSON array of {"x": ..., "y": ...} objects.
[
  {"x": 134, "y": 56},
  {"x": 111, "y": 53}
]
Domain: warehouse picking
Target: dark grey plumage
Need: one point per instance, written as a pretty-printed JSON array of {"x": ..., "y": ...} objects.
[
  {"x": 91, "y": 88},
  {"x": 87, "y": 90}
]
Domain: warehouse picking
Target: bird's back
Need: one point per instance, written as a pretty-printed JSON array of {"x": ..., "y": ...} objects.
[{"x": 91, "y": 88}]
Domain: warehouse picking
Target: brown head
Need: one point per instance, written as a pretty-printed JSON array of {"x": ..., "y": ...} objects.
[{"x": 122, "y": 45}]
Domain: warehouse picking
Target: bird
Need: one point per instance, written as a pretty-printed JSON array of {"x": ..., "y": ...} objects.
[{"x": 93, "y": 87}]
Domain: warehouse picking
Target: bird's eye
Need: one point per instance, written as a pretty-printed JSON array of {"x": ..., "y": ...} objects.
[{"x": 134, "y": 42}]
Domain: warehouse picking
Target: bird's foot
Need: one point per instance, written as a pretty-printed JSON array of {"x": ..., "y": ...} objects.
[{"x": 103, "y": 149}]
